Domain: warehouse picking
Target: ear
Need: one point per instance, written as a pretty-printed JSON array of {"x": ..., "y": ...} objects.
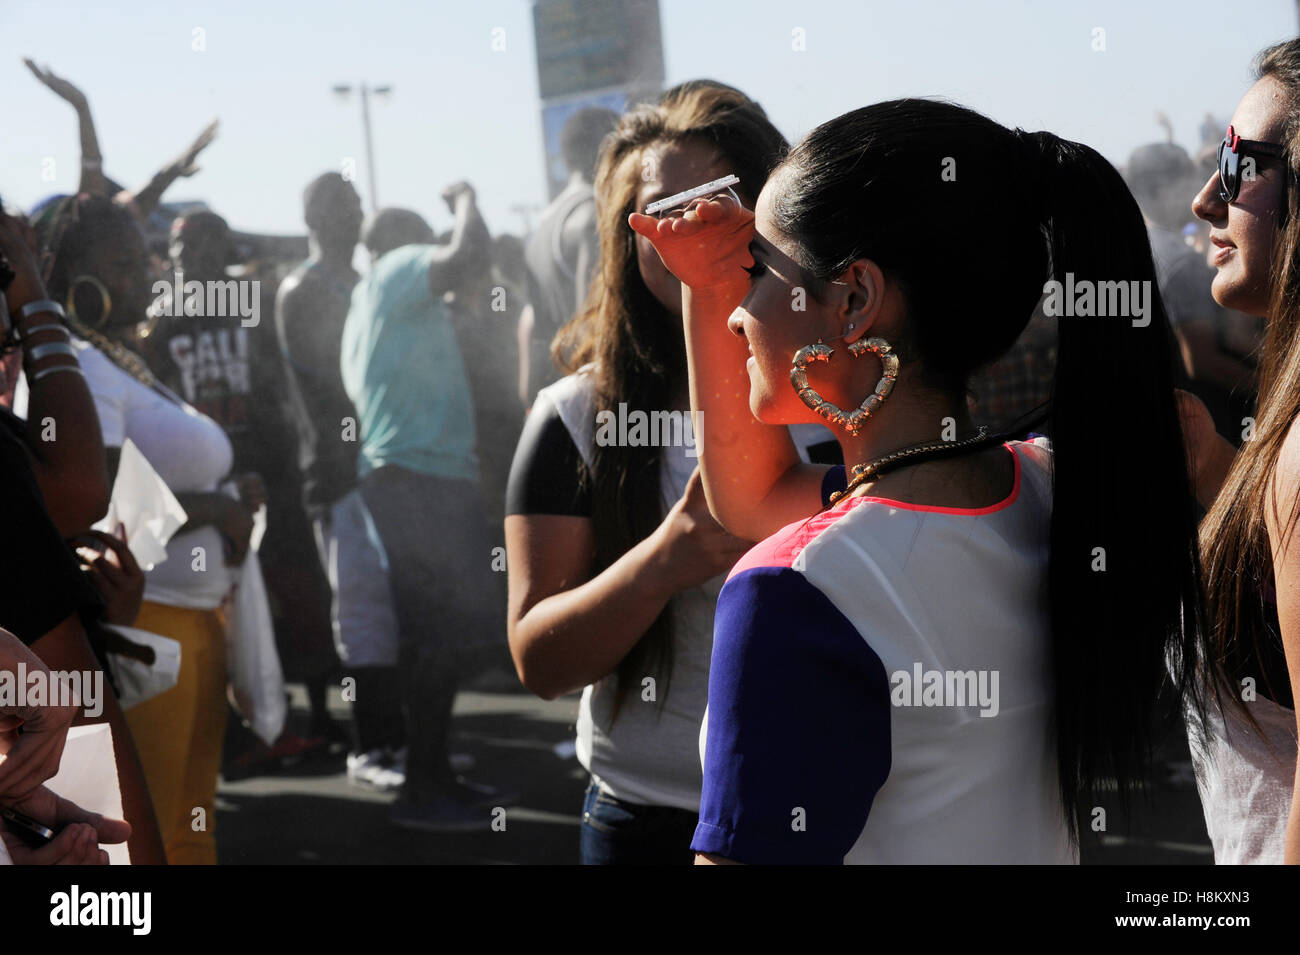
[{"x": 863, "y": 294}]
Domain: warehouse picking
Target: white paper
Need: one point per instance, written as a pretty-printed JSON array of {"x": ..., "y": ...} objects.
[
  {"x": 88, "y": 776},
  {"x": 138, "y": 681},
  {"x": 144, "y": 504}
]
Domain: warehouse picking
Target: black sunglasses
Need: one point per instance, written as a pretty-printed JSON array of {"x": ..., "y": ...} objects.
[{"x": 1232, "y": 151}]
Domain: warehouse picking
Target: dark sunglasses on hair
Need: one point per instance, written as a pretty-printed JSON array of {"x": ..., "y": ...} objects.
[{"x": 1232, "y": 151}]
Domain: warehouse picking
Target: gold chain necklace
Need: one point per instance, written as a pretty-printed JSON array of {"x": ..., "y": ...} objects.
[
  {"x": 888, "y": 462},
  {"x": 120, "y": 355}
]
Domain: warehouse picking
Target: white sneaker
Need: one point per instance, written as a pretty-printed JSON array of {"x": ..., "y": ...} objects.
[
  {"x": 377, "y": 769},
  {"x": 393, "y": 762},
  {"x": 461, "y": 763}
]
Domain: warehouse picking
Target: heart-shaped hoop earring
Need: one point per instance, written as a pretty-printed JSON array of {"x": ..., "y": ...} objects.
[{"x": 850, "y": 422}]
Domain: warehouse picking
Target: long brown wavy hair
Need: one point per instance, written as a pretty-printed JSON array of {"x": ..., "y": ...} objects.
[
  {"x": 1234, "y": 535},
  {"x": 635, "y": 344}
]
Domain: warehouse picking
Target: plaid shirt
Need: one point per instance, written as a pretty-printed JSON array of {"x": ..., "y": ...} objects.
[{"x": 1020, "y": 380}]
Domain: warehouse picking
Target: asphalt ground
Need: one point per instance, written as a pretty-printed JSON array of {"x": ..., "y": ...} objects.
[{"x": 307, "y": 812}]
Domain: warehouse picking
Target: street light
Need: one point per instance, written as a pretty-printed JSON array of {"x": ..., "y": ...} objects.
[{"x": 343, "y": 90}]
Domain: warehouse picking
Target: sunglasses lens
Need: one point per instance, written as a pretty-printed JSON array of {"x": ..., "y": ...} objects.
[{"x": 1227, "y": 173}]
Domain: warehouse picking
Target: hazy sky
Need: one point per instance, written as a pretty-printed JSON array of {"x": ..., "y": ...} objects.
[{"x": 461, "y": 110}]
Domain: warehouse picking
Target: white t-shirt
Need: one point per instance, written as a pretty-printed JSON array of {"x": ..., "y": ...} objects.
[
  {"x": 647, "y": 755},
  {"x": 1245, "y": 782},
  {"x": 190, "y": 452},
  {"x": 881, "y": 687}
]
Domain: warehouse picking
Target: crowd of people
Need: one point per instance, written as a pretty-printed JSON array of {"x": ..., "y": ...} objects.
[{"x": 919, "y": 601}]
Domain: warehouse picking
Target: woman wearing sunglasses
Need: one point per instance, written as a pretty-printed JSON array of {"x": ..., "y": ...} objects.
[
  {"x": 952, "y": 661},
  {"x": 1247, "y": 769}
]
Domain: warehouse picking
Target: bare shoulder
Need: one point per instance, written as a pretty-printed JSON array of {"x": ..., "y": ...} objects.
[
  {"x": 290, "y": 289},
  {"x": 1288, "y": 461},
  {"x": 1284, "y": 483}
]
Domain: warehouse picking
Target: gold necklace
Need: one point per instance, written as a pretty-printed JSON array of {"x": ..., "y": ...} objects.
[
  {"x": 118, "y": 354},
  {"x": 895, "y": 459}
]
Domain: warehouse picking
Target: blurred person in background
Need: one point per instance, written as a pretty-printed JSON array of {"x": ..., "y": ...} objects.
[
  {"x": 1162, "y": 176},
  {"x": 561, "y": 254},
  {"x": 143, "y": 202},
  {"x": 97, "y": 262},
  {"x": 211, "y": 353},
  {"x": 484, "y": 312},
  {"x": 614, "y": 559},
  {"x": 55, "y": 490},
  {"x": 403, "y": 370},
  {"x": 311, "y": 308}
]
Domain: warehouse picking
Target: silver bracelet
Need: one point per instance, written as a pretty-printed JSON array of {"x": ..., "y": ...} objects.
[
  {"x": 52, "y": 348},
  {"x": 55, "y": 370},
  {"x": 41, "y": 305},
  {"x": 44, "y": 327}
]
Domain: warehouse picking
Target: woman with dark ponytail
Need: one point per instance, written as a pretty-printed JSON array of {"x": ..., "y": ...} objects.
[{"x": 952, "y": 653}]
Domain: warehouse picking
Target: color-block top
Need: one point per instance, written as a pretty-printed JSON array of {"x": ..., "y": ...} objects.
[{"x": 881, "y": 688}]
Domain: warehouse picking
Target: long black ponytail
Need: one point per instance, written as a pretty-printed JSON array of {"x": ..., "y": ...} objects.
[
  {"x": 971, "y": 220},
  {"x": 1127, "y": 605}
]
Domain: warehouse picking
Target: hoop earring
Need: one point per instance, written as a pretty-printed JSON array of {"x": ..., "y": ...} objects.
[
  {"x": 850, "y": 422},
  {"x": 106, "y": 300}
]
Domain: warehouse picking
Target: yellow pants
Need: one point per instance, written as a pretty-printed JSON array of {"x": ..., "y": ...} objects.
[{"x": 179, "y": 733}]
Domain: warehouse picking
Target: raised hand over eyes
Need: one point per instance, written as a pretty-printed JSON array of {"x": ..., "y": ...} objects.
[{"x": 707, "y": 247}]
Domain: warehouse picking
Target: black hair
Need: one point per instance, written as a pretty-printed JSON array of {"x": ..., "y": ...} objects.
[
  {"x": 970, "y": 219},
  {"x": 392, "y": 228},
  {"x": 71, "y": 231},
  {"x": 318, "y": 193}
]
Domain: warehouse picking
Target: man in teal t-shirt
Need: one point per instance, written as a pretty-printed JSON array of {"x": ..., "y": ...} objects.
[{"x": 402, "y": 369}]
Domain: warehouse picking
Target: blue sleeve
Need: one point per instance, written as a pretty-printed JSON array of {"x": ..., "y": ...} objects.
[
  {"x": 797, "y": 741},
  {"x": 833, "y": 481}
]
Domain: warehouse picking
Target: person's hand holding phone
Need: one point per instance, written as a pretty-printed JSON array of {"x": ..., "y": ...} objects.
[
  {"x": 78, "y": 833},
  {"x": 31, "y": 737},
  {"x": 31, "y": 743}
]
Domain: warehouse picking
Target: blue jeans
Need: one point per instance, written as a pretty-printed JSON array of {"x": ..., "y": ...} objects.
[{"x": 615, "y": 832}]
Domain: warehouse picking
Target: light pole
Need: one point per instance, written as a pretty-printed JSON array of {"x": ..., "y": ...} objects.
[{"x": 343, "y": 89}]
